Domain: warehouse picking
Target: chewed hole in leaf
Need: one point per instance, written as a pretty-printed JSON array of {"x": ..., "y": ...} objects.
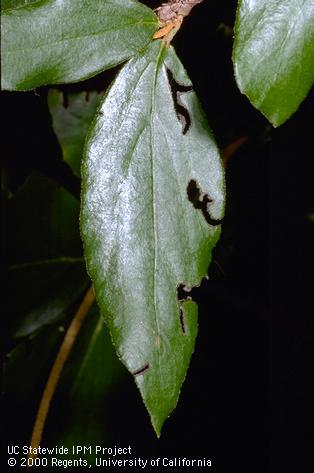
[
  {"x": 181, "y": 111},
  {"x": 201, "y": 201},
  {"x": 182, "y": 320},
  {"x": 183, "y": 292},
  {"x": 141, "y": 370},
  {"x": 182, "y": 295}
]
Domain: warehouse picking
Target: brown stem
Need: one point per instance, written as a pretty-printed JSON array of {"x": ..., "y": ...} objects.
[
  {"x": 171, "y": 15},
  {"x": 173, "y": 9},
  {"x": 56, "y": 369}
]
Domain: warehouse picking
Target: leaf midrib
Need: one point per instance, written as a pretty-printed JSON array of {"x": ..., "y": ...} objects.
[
  {"x": 61, "y": 260},
  {"x": 154, "y": 210}
]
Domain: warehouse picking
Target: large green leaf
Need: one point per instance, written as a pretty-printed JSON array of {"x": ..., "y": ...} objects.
[
  {"x": 274, "y": 54},
  {"x": 71, "y": 121},
  {"x": 143, "y": 238},
  {"x": 55, "y": 41}
]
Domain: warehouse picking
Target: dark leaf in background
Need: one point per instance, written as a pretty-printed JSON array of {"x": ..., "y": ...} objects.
[
  {"x": 81, "y": 402},
  {"x": 71, "y": 116},
  {"x": 45, "y": 264},
  {"x": 25, "y": 372},
  {"x": 42, "y": 223}
]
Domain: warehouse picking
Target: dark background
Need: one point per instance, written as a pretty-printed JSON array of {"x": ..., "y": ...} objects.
[{"x": 247, "y": 402}]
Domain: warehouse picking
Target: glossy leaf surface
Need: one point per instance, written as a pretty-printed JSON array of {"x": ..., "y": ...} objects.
[
  {"x": 274, "y": 54},
  {"x": 143, "y": 238},
  {"x": 71, "y": 117},
  {"x": 62, "y": 41}
]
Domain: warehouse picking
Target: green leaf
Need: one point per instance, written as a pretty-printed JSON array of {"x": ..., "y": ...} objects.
[
  {"x": 25, "y": 371},
  {"x": 71, "y": 121},
  {"x": 143, "y": 238},
  {"x": 42, "y": 223},
  {"x": 81, "y": 400},
  {"x": 44, "y": 255},
  {"x": 62, "y": 41},
  {"x": 50, "y": 290},
  {"x": 10, "y": 4},
  {"x": 274, "y": 54}
]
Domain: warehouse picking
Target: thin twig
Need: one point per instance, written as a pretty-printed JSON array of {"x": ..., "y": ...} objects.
[
  {"x": 57, "y": 368},
  {"x": 231, "y": 148}
]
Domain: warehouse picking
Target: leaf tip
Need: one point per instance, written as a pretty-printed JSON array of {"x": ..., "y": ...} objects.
[{"x": 157, "y": 425}]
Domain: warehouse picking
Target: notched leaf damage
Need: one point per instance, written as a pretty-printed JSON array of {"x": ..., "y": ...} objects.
[
  {"x": 181, "y": 111},
  {"x": 182, "y": 320},
  {"x": 182, "y": 292},
  {"x": 182, "y": 296},
  {"x": 201, "y": 201}
]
